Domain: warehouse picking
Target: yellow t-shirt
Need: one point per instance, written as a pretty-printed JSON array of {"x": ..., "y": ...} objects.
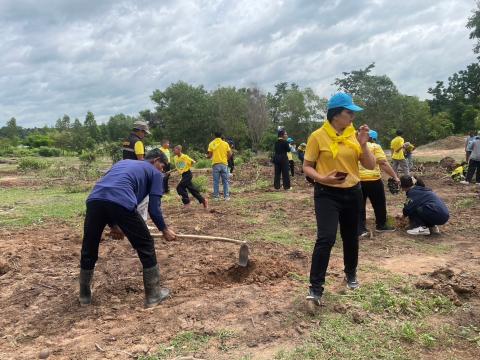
[
  {"x": 375, "y": 174},
  {"x": 289, "y": 156},
  {"x": 183, "y": 163},
  {"x": 318, "y": 151},
  {"x": 397, "y": 148},
  {"x": 166, "y": 151},
  {"x": 219, "y": 150},
  {"x": 139, "y": 148}
]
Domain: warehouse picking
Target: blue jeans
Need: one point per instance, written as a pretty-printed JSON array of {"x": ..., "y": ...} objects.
[{"x": 220, "y": 170}]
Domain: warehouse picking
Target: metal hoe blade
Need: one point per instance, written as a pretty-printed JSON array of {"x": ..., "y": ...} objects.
[{"x": 243, "y": 255}]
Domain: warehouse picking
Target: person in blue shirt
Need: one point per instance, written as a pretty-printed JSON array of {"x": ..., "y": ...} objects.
[
  {"x": 113, "y": 201},
  {"x": 423, "y": 207}
]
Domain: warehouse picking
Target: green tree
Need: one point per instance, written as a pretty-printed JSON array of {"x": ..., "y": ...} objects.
[
  {"x": 474, "y": 25},
  {"x": 187, "y": 113},
  {"x": 230, "y": 111},
  {"x": 63, "y": 124},
  {"x": 257, "y": 116},
  {"x": 91, "y": 126},
  {"x": 12, "y": 131},
  {"x": 119, "y": 126}
]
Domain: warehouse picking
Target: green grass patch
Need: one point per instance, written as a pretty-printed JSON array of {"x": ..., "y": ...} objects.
[
  {"x": 284, "y": 236},
  {"x": 337, "y": 337},
  {"x": 190, "y": 342},
  {"x": 466, "y": 203},
  {"x": 24, "y": 207},
  {"x": 382, "y": 298}
]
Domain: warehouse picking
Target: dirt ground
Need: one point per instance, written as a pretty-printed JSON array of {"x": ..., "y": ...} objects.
[{"x": 262, "y": 304}]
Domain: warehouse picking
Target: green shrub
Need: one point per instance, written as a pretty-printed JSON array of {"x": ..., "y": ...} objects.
[
  {"x": 203, "y": 164},
  {"x": 49, "y": 151},
  {"x": 196, "y": 155},
  {"x": 247, "y": 155},
  {"x": 88, "y": 157},
  {"x": 16, "y": 151},
  {"x": 239, "y": 161},
  {"x": 201, "y": 183},
  {"x": 32, "y": 164}
]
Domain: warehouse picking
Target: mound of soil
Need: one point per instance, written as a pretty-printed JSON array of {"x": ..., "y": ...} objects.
[
  {"x": 449, "y": 143},
  {"x": 457, "y": 287},
  {"x": 448, "y": 163}
]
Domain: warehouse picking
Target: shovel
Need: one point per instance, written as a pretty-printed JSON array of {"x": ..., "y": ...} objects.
[{"x": 242, "y": 254}]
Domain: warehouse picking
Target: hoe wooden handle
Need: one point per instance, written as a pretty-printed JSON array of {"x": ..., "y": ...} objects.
[{"x": 206, "y": 237}]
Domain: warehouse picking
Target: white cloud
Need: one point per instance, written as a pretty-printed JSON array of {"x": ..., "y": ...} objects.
[{"x": 108, "y": 56}]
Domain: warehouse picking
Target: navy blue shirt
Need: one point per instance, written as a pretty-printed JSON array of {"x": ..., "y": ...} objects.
[
  {"x": 127, "y": 183},
  {"x": 422, "y": 200}
]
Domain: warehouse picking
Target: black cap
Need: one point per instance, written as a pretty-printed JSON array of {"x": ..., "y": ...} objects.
[{"x": 156, "y": 153}]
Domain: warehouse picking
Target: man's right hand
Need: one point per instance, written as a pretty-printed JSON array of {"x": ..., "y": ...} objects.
[{"x": 169, "y": 235}]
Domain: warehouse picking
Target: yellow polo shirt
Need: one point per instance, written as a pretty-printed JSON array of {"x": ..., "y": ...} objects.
[
  {"x": 219, "y": 150},
  {"x": 166, "y": 151},
  {"x": 183, "y": 163},
  {"x": 397, "y": 148},
  {"x": 375, "y": 174},
  {"x": 318, "y": 151}
]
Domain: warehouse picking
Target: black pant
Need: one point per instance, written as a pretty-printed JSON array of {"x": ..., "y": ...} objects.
[
  {"x": 472, "y": 166},
  {"x": 374, "y": 191},
  {"x": 186, "y": 184},
  {"x": 291, "y": 163},
  {"x": 166, "y": 189},
  {"x": 99, "y": 214},
  {"x": 334, "y": 206},
  {"x": 281, "y": 168},
  {"x": 231, "y": 164}
]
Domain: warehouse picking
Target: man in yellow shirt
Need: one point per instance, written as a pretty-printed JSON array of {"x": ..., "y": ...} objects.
[
  {"x": 219, "y": 151},
  {"x": 183, "y": 163},
  {"x": 165, "y": 148},
  {"x": 372, "y": 188},
  {"x": 398, "y": 155}
]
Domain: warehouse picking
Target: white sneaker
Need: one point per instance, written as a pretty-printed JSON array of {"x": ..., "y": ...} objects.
[
  {"x": 421, "y": 230},
  {"x": 227, "y": 198},
  {"x": 464, "y": 182}
]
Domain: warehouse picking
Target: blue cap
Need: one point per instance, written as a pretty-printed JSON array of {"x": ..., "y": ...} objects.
[
  {"x": 290, "y": 140},
  {"x": 373, "y": 134},
  {"x": 343, "y": 100}
]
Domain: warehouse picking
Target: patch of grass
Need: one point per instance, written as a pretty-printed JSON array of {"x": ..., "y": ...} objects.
[
  {"x": 33, "y": 206},
  {"x": 184, "y": 343},
  {"x": 201, "y": 183},
  {"x": 32, "y": 164},
  {"x": 381, "y": 298},
  {"x": 284, "y": 236},
  {"x": 191, "y": 342},
  {"x": 203, "y": 164},
  {"x": 338, "y": 338},
  {"x": 466, "y": 203}
]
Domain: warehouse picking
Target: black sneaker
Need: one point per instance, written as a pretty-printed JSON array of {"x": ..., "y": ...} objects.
[
  {"x": 314, "y": 296},
  {"x": 352, "y": 282},
  {"x": 385, "y": 228}
]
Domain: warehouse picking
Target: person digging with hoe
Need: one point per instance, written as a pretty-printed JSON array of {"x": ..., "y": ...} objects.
[
  {"x": 114, "y": 201},
  {"x": 331, "y": 160}
]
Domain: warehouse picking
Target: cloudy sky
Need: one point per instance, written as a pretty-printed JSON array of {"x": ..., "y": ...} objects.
[{"x": 107, "y": 56}]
